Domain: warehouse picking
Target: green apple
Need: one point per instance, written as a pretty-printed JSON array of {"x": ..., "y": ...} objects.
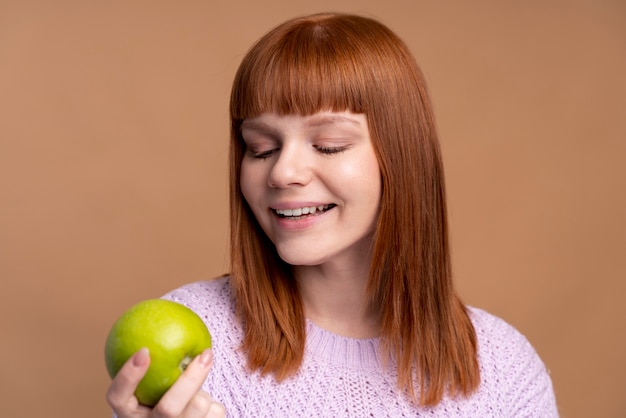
[{"x": 173, "y": 334}]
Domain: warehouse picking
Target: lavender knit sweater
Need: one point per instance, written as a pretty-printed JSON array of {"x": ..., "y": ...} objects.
[{"x": 343, "y": 377}]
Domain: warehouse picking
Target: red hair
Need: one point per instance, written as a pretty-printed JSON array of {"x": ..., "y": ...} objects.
[{"x": 343, "y": 62}]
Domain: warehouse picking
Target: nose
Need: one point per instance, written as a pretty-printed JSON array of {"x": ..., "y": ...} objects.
[{"x": 291, "y": 168}]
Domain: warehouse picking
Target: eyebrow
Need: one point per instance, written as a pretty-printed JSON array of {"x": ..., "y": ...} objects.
[
  {"x": 321, "y": 120},
  {"x": 314, "y": 122},
  {"x": 256, "y": 125}
]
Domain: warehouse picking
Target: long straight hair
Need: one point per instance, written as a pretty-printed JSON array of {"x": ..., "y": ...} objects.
[{"x": 342, "y": 62}]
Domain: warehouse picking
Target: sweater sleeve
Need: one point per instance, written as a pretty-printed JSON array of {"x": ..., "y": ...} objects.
[
  {"x": 530, "y": 387},
  {"x": 511, "y": 367}
]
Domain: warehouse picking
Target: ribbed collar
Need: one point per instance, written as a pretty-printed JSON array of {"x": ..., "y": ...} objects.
[{"x": 342, "y": 351}]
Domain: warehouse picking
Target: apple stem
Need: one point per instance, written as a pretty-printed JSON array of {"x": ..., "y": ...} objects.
[{"x": 185, "y": 362}]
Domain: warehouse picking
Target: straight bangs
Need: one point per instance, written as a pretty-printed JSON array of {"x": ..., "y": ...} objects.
[{"x": 302, "y": 69}]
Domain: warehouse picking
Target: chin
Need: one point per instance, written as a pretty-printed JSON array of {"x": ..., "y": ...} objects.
[{"x": 299, "y": 258}]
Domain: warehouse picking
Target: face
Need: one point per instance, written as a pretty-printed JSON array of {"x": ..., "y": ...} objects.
[{"x": 313, "y": 183}]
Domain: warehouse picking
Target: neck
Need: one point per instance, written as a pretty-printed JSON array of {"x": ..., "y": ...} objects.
[{"x": 336, "y": 300}]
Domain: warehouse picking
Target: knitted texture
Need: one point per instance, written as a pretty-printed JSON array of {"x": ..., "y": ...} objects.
[{"x": 344, "y": 377}]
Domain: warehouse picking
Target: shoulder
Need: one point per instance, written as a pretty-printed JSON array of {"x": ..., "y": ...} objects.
[
  {"x": 200, "y": 293},
  {"x": 498, "y": 338},
  {"x": 212, "y": 301},
  {"x": 510, "y": 366},
  {"x": 492, "y": 330}
]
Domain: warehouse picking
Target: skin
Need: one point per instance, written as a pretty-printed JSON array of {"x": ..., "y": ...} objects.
[
  {"x": 322, "y": 160},
  {"x": 291, "y": 162},
  {"x": 184, "y": 399}
]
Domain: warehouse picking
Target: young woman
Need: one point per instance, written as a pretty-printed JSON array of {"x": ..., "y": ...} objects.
[{"x": 340, "y": 300}]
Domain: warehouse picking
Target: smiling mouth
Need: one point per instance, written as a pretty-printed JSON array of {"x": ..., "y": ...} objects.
[{"x": 299, "y": 213}]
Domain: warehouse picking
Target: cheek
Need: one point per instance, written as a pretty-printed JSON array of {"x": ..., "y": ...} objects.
[
  {"x": 248, "y": 182},
  {"x": 365, "y": 178}
]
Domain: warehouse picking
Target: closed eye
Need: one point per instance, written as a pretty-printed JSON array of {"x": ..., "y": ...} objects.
[
  {"x": 262, "y": 154},
  {"x": 330, "y": 150}
]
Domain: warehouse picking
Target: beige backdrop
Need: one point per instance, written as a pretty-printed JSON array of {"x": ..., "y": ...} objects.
[{"x": 113, "y": 181}]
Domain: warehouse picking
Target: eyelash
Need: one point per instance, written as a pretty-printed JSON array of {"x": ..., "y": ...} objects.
[
  {"x": 262, "y": 155},
  {"x": 330, "y": 150}
]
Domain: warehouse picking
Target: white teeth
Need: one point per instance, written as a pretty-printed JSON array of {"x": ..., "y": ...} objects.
[{"x": 307, "y": 210}]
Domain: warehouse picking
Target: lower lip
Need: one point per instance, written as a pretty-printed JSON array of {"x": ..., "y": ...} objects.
[{"x": 299, "y": 223}]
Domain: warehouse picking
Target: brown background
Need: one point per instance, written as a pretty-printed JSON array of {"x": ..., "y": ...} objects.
[{"x": 113, "y": 181}]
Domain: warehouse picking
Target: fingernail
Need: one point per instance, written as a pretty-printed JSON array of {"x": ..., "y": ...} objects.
[
  {"x": 206, "y": 357},
  {"x": 141, "y": 357}
]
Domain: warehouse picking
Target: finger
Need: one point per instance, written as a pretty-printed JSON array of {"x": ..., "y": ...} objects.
[
  {"x": 175, "y": 400},
  {"x": 203, "y": 406},
  {"x": 199, "y": 406},
  {"x": 216, "y": 410},
  {"x": 121, "y": 391}
]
